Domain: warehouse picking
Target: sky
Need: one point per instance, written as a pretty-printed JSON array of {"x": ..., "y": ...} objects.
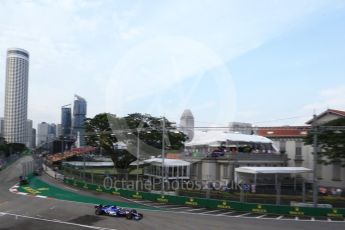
[{"x": 262, "y": 62}]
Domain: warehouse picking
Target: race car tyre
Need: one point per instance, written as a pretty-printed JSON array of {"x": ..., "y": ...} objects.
[
  {"x": 98, "y": 211},
  {"x": 129, "y": 216}
]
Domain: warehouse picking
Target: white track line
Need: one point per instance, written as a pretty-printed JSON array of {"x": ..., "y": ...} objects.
[
  {"x": 209, "y": 212},
  {"x": 259, "y": 217},
  {"x": 197, "y": 209},
  {"x": 39, "y": 196},
  {"x": 224, "y": 214},
  {"x": 142, "y": 201},
  {"x": 243, "y": 214},
  {"x": 180, "y": 208},
  {"x": 168, "y": 206},
  {"x": 22, "y": 193},
  {"x": 279, "y": 217},
  {"x": 74, "y": 190},
  {"x": 55, "y": 221}
]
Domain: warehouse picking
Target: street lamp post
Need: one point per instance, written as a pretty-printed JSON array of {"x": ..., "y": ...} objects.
[
  {"x": 315, "y": 179},
  {"x": 138, "y": 155},
  {"x": 163, "y": 155}
]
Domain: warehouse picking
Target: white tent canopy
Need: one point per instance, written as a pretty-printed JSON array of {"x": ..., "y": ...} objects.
[
  {"x": 272, "y": 170},
  {"x": 167, "y": 162},
  {"x": 213, "y": 138},
  {"x": 276, "y": 171}
]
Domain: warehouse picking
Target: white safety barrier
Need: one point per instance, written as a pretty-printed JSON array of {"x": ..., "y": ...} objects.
[{"x": 53, "y": 173}]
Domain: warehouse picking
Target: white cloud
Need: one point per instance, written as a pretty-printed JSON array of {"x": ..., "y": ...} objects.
[{"x": 332, "y": 98}]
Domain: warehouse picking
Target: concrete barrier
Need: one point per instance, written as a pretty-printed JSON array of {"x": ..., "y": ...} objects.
[{"x": 50, "y": 172}]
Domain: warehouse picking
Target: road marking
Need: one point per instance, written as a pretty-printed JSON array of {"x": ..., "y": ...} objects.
[
  {"x": 258, "y": 217},
  {"x": 143, "y": 201},
  {"x": 22, "y": 193},
  {"x": 55, "y": 221},
  {"x": 243, "y": 214},
  {"x": 39, "y": 196},
  {"x": 224, "y": 214},
  {"x": 196, "y": 209},
  {"x": 279, "y": 217},
  {"x": 169, "y": 206},
  {"x": 329, "y": 220},
  {"x": 209, "y": 212},
  {"x": 296, "y": 218},
  {"x": 74, "y": 190},
  {"x": 312, "y": 219},
  {"x": 180, "y": 208}
]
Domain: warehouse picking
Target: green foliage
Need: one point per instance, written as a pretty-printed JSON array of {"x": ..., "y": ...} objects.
[
  {"x": 9, "y": 148},
  {"x": 331, "y": 143},
  {"x": 104, "y": 130}
]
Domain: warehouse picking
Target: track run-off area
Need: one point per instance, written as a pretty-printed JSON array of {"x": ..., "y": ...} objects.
[{"x": 49, "y": 204}]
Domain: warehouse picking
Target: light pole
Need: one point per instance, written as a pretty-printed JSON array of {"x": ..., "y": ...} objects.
[
  {"x": 315, "y": 180},
  {"x": 138, "y": 155},
  {"x": 163, "y": 155}
]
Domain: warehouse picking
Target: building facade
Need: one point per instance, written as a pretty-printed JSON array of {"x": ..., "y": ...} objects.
[
  {"x": 240, "y": 127},
  {"x": 42, "y": 133},
  {"x": 16, "y": 95},
  {"x": 332, "y": 175},
  {"x": 66, "y": 121},
  {"x": 79, "y": 116},
  {"x": 214, "y": 155},
  {"x": 290, "y": 140},
  {"x": 46, "y": 133},
  {"x": 187, "y": 124},
  {"x": 29, "y": 143},
  {"x": 58, "y": 130}
]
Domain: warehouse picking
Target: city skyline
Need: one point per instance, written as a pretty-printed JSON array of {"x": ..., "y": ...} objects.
[{"x": 289, "y": 59}]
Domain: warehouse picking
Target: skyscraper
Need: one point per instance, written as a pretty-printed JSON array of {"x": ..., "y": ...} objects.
[
  {"x": 42, "y": 133},
  {"x": 66, "y": 121},
  {"x": 187, "y": 124},
  {"x": 16, "y": 95},
  {"x": 29, "y": 143},
  {"x": 58, "y": 130},
  {"x": 46, "y": 133},
  {"x": 79, "y": 116}
]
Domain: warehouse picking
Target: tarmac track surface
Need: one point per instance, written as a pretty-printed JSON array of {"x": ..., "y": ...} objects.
[{"x": 27, "y": 212}]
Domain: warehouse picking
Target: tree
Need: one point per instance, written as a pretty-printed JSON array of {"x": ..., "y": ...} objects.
[
  {"x": 10, "y": 148},
  {"x": 331, "y": 143},
  {"x": 104, "y": 130}
]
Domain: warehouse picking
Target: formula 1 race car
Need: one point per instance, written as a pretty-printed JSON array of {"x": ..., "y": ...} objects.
[{"x": 112, "y": 210}]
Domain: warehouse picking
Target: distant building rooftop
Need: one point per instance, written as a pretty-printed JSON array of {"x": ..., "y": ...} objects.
[{"x": 284, "y": 131}]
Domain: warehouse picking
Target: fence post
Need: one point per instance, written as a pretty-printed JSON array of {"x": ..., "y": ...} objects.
[{"x": 303, "y": 191}]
